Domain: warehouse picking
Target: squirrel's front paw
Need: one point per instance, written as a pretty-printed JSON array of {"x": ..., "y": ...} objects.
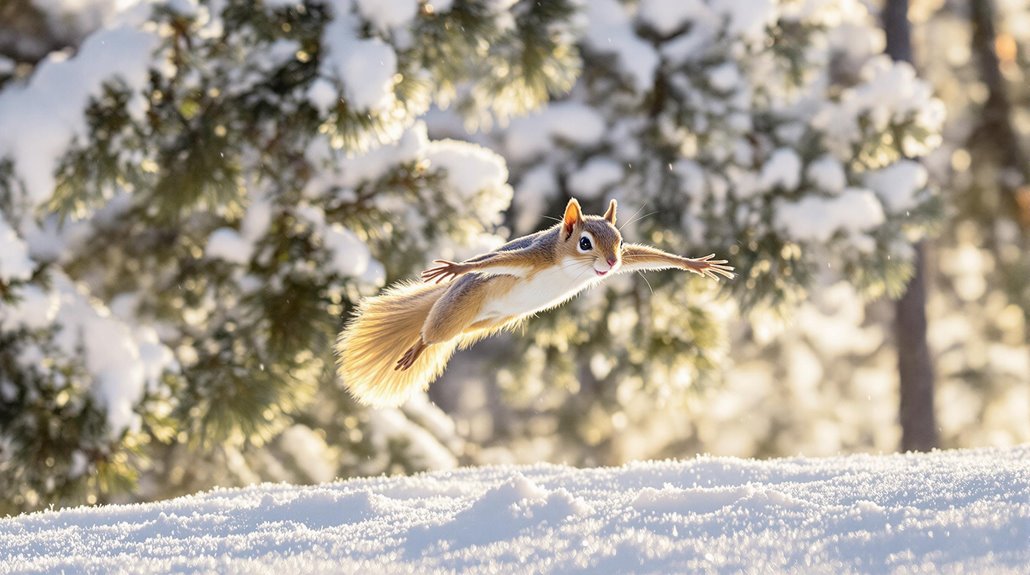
[
  {"x": 707, "y": 267},
  {"x": 445, "y": 271}
]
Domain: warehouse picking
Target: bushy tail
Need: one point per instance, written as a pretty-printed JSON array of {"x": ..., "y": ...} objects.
[{"x": 383, "y": 328}]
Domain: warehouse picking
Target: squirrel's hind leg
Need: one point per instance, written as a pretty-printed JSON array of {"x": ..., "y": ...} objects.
[
  {"x": 413, "y": 353},
  {"x": 459, "y": 307},
  {"x": 455, "y": 312}
]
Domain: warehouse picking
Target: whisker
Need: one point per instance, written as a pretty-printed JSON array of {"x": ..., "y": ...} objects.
[
  {"x": 586, "y": 266},
  {"x": 641, "y": 274},
  {"x": 648, "y": 214},
  {"x": 552, "y": 218},
  {"x": 642, "y": 206}
]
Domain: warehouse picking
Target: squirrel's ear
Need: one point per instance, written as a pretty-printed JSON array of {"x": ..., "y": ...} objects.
[
  {"x": 573, "y": 215},
  {"x": 610, "y": 214}
]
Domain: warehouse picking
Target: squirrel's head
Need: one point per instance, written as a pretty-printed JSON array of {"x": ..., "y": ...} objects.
[{"x": 593, "y": 240}]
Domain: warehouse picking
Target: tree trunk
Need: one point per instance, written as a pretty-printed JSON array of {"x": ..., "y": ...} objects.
[
  {"x": 996, "y": 126},
  {"x": 915, "y": 368}
]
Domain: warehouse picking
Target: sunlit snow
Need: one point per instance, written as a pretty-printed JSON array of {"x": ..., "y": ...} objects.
[{"x": 949, "y": 511}]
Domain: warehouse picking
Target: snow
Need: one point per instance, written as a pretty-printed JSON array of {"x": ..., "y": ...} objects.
[
  {"x": 228, "y": 245},
  {"x": 827, "y": 174},
  {"x": 238, "y": 246},
  {"x": 71, "y": 18},
  {"x": 440, "y": 6},
  {"x": 390, "y": 427},
  {"x": 121, "y": 360},
  {"x": 388, "y": 14},
  {"x": 35, "y": 308},
  {"x": 668, "y": 16},
  {"x": 817, "y": 219},
  {"x": 43, "y": 117},
  {"x": 898, "y": 184},
  {"x": 473, "y": 171},
  {"x": 561, "y": 122},
  {"x": 888, "y": 89},
  {"x": 596, "y": 176},
  {"x": 474, "y": 177},
  {"x": 323, "y": 95},
  {"x": 535, "y": 189},
  {"x": 783, "y": 169},
  {"x": 308, "y": 449},
  {"x": 15, "y": 263},
  {"x": 610, "y": 32},
  {"x": 351, "y": 171},
  {"x": 351, "y": 257},
  {"x": 365, "y": 66},
  {"x": 112, "y": 354},
  {"x": 689, "y": 46},
  {"x": 724, "y": 77},
  {"x": 947, "y": 511},
  {"x": 747, "y": 18}
]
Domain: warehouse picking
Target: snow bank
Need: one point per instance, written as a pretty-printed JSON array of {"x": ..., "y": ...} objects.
[{"x": 943, "y": 512}]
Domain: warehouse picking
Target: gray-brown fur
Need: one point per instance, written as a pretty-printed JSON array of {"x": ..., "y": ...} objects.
[
  {"x": 456, "y": 309},
  {"x": 607, "y": 236}
]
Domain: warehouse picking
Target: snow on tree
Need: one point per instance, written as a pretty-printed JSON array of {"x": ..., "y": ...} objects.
[{"x": 193, "y": 200}]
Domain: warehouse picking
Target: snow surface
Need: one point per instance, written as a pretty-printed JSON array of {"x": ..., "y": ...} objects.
[{"x": 944, "y": 512}]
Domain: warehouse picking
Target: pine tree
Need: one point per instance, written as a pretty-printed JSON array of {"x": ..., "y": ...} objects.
[
  {"x": 187, "y": 225},
  {"x": 979, "y": 258},
  {"x": 772, "y": 133},
  {"x": 192, "y": 203}
]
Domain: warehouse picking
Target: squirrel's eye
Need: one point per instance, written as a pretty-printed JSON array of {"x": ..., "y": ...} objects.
[{"x": 584, "y": 244}]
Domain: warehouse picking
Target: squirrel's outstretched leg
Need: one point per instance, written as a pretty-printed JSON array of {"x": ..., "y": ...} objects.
[
  {"x": 454, "y": 312},
  {"x": 638, "y": 257},
  {"x": 516, "y": 263}
]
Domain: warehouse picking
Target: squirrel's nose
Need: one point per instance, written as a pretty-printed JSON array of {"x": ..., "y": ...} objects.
[{"x": 612, "y": 262}]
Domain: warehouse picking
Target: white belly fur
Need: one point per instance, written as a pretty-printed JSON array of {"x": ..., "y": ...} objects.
[{"x": 544, "y": 290}]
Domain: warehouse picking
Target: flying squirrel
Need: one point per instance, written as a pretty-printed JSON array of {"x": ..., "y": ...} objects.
[{"x": 402, "y": 339}]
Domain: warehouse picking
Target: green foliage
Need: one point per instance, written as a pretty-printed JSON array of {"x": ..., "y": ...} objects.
[
  {"x": 51, "y": 420},
  {"x": 224, "y": 141}
]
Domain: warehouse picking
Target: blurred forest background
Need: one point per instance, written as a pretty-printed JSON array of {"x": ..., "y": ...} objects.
[{"x": 194, "y": 195}]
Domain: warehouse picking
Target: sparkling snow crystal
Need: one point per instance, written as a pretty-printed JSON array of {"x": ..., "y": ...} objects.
[{"x": 950, "y": 511}]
